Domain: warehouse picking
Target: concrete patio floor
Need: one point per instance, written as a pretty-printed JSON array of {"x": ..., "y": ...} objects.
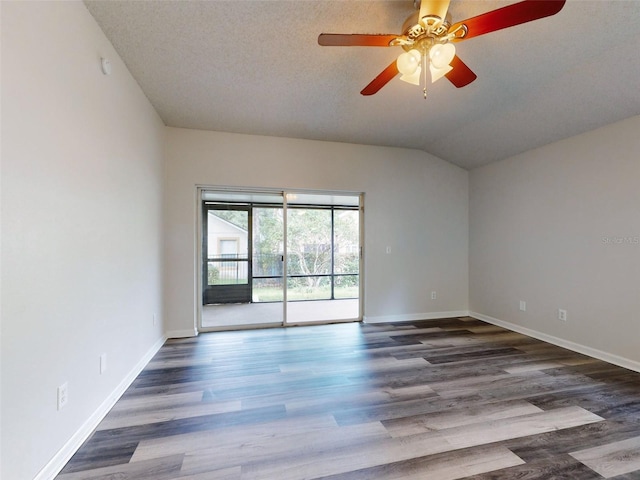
[{"x": 260, "y": 314}]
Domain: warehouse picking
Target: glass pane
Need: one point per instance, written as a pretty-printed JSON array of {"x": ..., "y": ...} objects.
[
  {"x": 308, "y": 241},
  {"x": 228, "y": 234},
  {"x": 308, "y": 288},
  {"x": 323, "y": 200},
  {"x": 244, "y": 290},
  {"x": 323, "y": 255},
  {"x": 268, "y": 249},
  {"x": 347, "y": 241},
  {"x": 346, "y": 286},
  {"x": 227, "y": 273},
  {"x": 227, "y": 251},
  {"x": 267, "y": 290},
  {"x": 267, "y": 242},
  {"x": 267, "y": 265},
  {"x": 241, "y": 198}
]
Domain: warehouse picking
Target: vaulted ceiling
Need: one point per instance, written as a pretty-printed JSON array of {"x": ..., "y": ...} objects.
[{"x": 256, "y": 67}]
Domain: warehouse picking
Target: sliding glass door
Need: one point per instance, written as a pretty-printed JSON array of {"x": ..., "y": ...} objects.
[
  {"x": 323, "y": 259},
  {"x": 242, "y": 260},
  {"x": 270, "y": 259}
]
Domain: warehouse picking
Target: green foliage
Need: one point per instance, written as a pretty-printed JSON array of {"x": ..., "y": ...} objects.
[
  {"x": 274, "y": 293},
  {"x": 267, "y": 231},
  {"x": 212, "y": 275},
  {"x": 309, "y": 240},
  {"x": 309, "y": 250}
]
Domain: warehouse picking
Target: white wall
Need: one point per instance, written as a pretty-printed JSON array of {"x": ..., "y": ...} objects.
[
  {"x": 415, "y": 203},
  {"x": 81, "y": 192},
  {"x": 81, "y": 223},
  {"x": 559, "y": 227}
]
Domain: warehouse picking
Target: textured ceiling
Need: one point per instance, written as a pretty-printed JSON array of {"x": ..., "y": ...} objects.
[{"x": 255, "y": 67}]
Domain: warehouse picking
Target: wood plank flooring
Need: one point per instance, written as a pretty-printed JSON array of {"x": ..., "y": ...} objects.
[{"x": 441, "y": 400}]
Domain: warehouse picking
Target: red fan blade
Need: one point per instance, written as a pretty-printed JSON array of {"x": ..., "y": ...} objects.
[
  {"x": 508, "y": 16},
  {"x": 381, "y": 80},
  {"x": 461, "y": 75},
  {"x": 355, "y": 40}
]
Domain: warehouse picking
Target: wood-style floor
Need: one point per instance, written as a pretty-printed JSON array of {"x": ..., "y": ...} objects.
[{"x": 438, "y": 400}]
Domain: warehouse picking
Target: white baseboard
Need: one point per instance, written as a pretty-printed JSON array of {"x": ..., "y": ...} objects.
[
  {"x": 560, "y": 342},
  {"x": 57, "y": 463},
  {"x": 182, "y": 333},
  {"x": 412, "y": 317}
]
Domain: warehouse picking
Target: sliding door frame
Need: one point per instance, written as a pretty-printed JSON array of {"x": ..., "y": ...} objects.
[{"x": 283, "y": 194}]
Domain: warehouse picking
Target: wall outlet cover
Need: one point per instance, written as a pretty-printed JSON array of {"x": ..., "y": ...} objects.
[{"x": 103, "y": 363}]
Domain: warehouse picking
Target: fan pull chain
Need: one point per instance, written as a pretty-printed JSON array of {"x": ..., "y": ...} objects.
[{"x": 425, "y": 66}]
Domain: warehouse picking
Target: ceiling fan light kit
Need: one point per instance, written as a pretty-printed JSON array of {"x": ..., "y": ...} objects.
[
  {"x": 428, "y": 37},
  {"x": 437, "y": 56}
]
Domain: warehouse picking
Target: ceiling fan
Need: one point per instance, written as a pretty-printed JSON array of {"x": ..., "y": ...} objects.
[{"x": 428, "y": 38}]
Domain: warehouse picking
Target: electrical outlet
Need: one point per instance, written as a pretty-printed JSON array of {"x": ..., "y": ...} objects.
[
  {"x": 433, "y": 295},
  {"x": 562, "y": 315},
  {"x": 103, "y": 363},
  {"x": 63, "y": 395},
  {"x": 388, "y": 250},
  {"x": 154, "y": 319},
  {"x": 523, "y": 306}
]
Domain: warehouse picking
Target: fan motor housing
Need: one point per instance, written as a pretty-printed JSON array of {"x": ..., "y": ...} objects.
[{"x": 422, "y": 35}]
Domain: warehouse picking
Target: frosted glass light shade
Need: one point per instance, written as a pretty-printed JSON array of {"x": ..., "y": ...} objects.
[
  {"x": 441, "y": 55},
  {"x": 408, "y": 62},
  {"x": 438, "y": 73},
  {"x": 414, "y": 78}
]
